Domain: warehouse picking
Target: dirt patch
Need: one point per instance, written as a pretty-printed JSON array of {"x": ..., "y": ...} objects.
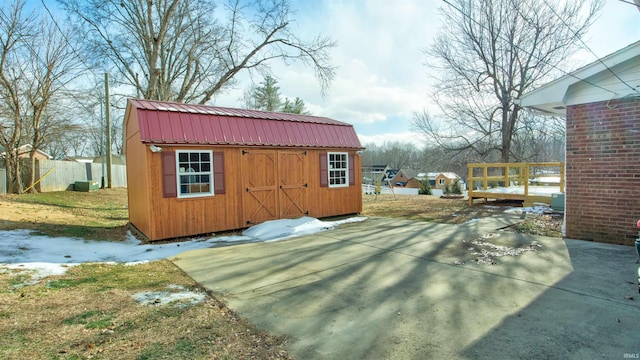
[
  {"x": 543, "y": 225},
  {"x": 431, "y": 208},
  {"x": 456, "y": 211}
]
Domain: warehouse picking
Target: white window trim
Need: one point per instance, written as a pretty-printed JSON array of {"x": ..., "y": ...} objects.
[
  {"x": 210, "y": 173},
  {"x": 346, "y": 170}
]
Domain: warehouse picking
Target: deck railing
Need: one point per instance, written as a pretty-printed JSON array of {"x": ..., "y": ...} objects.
[{"x": 491, "y": 175}]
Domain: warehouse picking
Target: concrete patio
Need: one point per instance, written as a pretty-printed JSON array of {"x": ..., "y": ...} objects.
[{"x": 391, "y": 289}]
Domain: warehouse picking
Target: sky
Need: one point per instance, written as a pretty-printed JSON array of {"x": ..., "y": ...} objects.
[{"x": 381, "y": 78}]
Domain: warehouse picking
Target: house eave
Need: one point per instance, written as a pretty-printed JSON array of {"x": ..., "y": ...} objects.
[{"x": 551, "y": 98}]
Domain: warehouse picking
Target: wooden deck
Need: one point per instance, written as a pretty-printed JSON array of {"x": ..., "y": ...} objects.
[{"x": 528, "y": 182}]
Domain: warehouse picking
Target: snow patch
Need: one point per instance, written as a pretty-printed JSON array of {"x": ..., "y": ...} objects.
[
  {"x": 23, "y": 252},
  {"x": 175, "y": 295},
  {"x": 536, "y": 210}
]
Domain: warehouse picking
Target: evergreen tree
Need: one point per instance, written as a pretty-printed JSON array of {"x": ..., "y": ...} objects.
[
  {"x": 425, "y": 187},
  {"x": 267, "y": 95},
  {"x": 296, "y": 106}
]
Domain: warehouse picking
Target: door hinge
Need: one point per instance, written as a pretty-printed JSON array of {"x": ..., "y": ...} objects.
[{"x": 244, "y": 152}]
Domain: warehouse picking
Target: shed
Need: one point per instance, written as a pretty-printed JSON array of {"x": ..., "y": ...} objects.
[
  {"x": 197, "y": 169},
  {"x": 601, "y": 104}
]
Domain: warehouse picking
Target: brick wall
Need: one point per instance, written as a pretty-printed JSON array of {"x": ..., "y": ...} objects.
[{"x": 603, "y": 171}]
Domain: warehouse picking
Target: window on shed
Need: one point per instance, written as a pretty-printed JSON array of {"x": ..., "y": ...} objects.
[
  {"x": 195, "y": 173},
  {"x": 441, "y": 181},
  {"x": 338, "y": 169}
]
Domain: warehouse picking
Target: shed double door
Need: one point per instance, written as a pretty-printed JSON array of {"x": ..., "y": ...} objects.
[{"x": 275, "y": 185}]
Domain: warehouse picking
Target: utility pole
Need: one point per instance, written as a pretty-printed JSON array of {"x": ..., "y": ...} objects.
[
  {"x": 102, "y": 145},
  {"x": 108, "y": 119}
]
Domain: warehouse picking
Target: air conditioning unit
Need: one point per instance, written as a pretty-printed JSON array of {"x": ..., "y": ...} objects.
[
  {"x": 86, "y": 186},
  {"x": 557, "y": 202}
]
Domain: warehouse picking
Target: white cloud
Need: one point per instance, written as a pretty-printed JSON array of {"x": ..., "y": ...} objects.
[
  {"x": 402, "y": 137},
  {"x": 381, "y": 78}
]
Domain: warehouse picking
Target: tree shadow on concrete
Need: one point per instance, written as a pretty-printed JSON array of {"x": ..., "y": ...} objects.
[{"x": 384, "y": 288}]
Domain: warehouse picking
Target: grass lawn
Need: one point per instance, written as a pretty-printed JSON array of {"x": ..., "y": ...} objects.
[{"x": 90, "y": 312}]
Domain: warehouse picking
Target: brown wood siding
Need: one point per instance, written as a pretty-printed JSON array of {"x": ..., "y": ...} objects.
[
  {"x": 297, "y": 187},
  {"x": 328, "y": 201},
  {"x": 138, "y": 184},
  {"x": 177, "y": 217}
]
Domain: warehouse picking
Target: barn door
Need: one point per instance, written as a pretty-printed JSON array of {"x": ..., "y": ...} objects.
[
  {"x": 293, "y": 183},
  {"x": 259, "y": 200}
]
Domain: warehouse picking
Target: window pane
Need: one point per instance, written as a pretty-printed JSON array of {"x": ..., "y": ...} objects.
[
  {"x": 338, "y": 167},
  {"x": 195, "y": 175}
]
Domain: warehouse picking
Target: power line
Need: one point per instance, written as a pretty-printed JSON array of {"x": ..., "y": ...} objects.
[
  {"x": 63, "y": 85},
  {"x": 519, "y": 48},
  {"x": 575, "y": 35},
  {"x": 64, "y": 36},
  {"x": 637, "y": 5}
]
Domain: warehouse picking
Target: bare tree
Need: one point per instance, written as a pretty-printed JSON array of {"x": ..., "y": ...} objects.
[
  {"x": 52, "y": 67},
  {"x": 488, "y": 54},
  {"x": 395, "y": 154},
  {"x": 36, "y": 66},
  {"x": 181, "y": 50},
  {"x": 15, "y": 27}
]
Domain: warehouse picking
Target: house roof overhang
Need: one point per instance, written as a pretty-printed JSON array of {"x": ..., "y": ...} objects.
[
  {"x": 551, "y": 98},
  {"x": 185, "y": 124}
]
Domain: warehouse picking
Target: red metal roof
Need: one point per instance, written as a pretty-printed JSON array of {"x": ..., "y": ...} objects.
[{"x": 174, "y": 123}]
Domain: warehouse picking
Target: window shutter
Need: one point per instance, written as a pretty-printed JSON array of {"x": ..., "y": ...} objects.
[
  {"x": 169, "y": 179},
  {"x": 352, "y": 172},
  {"x": 324, "y": 171},
  {"x": 218, "y": 173}
]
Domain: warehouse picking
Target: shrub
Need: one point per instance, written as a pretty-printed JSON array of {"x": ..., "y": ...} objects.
[
  {"x": 425, "y": 188},
  {"x": 455, "y": 187}
]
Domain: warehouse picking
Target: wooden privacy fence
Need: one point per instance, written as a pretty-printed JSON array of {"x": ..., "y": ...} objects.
[
  {"x": 3, "y": 181},
  {"x": 529, "y": 182},
  {"x": 64, "y": 174}
]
